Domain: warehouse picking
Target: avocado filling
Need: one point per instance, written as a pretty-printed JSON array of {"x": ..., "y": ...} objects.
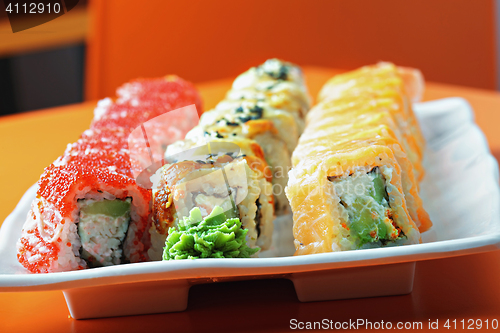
[
  {"x": 102, "y": 228},
  {"x": 365, "y": 209},
  {"x": 215, "y": 236}
]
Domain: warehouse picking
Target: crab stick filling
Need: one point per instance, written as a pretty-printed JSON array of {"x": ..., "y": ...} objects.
[{"x": 102, "y": 228}]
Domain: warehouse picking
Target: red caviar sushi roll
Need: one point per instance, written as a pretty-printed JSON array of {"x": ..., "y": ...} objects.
[
  {"x": 167, "y": 93},
  {"x": 89, "y": 210},
  {"x": 84, "y": 217}
]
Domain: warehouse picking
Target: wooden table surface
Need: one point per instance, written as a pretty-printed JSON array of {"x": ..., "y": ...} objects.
[{"x": 466, "y": 287}]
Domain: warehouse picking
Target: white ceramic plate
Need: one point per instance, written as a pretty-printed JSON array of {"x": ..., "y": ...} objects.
[{"x": 460, "y": 192}]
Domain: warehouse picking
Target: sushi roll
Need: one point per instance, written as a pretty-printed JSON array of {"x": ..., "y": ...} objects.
[
  {"x": 264, "y": 132},
  {"x": 285, "y": 97},
  {"x": 250, "y": 150},
  {"x": 263, "y": 115},
  {"x": 273, "y": 70},
  {"x": 355, "y": 199},
  {"x": 362, "y": 112},
  {"x": 372, "y": 135},
  {"x": 248, "y": 113},
  {"x": 89, "y": 210},
  {"x": 206, "y": 177},
  {"x": 383, "y": 75},
  {"x": 381, "y": 80},
  {"x": 279, "y": 84},
  {"x": 159, "y": 94},
  {"x": 267, "y": 104},
  {"x": 357, "y": 166}
]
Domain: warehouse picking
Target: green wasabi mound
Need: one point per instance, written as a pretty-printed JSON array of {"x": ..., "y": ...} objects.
[{"x": 215, "y": 236}]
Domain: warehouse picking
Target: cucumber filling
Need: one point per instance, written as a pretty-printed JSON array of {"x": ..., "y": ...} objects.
[
  {"x": 369, "y": 216},
  {"x": 102, "y": 228}
]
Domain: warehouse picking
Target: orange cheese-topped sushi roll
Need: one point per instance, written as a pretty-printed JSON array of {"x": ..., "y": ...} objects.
[
  {"x": 354, "y": 182},
  {"x": 376, "y": 135},
  {"x": 379, "y": 76},
  {"x": 381, "y": 80},
  {"x": 389, "y": 98},
  {"x": 349, "y": 199},
  {"x": 362, "y": 112}
]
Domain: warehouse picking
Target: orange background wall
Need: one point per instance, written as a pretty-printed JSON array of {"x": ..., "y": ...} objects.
[{"x": 451, "y": 41}]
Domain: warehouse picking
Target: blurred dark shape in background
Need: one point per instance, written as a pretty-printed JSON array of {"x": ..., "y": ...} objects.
[
  {"x": 41, "y": 79},
  {"x": 44, "y": 67}
]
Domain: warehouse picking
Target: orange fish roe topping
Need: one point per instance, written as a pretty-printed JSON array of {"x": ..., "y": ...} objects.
[
  {"x": 43, "y": 264},
  {"x": 152, "y": 93},
  {"x": 97, "y": 162}
]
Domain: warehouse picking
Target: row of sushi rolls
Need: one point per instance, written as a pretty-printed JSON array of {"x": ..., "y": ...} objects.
[{"x": 347, "y": 169}]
